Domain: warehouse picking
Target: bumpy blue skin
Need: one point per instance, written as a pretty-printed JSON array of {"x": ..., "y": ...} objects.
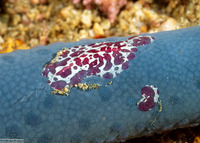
[{"x": 29, "y": 111}]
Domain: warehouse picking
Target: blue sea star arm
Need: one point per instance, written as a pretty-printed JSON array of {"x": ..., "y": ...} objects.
[{"x": 29, "y": 111}]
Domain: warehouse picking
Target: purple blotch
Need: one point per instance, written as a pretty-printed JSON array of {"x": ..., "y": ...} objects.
[
  {"x": 91, "y": 44},
  {"x": 85, "y": 61},
  {"x": 125, "y": 50},
  {"x": 118, "y": 60},
  {"x": 108, "y": 75},
  {"x": 75, "y": 67},
  {"x": 134, "y": 50},
  {"x": 78, "y": 77},
  {"x": 118, "y": 44},
  {"x": 148, "y": 102},
  {"x": 61, "y": 63},
  {"x": 125, "y": 65},
  {"x": 146, "y": 106},
  {"x": 93, "y": 71},
  {"x": 158, "y": 92},
  {"x": 84, "y": 55},
  {"x": 92, "y": 51},
  {"x": 131, "y": 56},
  {"x": 92, "y": 64},
  {"x": 65, "y": 72},
  {"x": 78, "y": 62},
  {"x": 76, "y": 54},
  {"x": 108, "y": 65},
  {"x": 148, "y": 91},
  {"x": 73, "y": 50},
  {"x": 141, "y": 41},
  {"x": 49, "y": 68},
  {"x": 59, "y": 85},
  {"x": 116, "y": 68}
]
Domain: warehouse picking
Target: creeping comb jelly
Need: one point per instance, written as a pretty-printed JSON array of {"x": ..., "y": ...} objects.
[{"x": 104, "y": 59}]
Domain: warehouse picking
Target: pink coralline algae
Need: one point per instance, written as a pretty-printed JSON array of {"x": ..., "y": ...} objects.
[
  {"x": 105, "y": 59},
  {"x": 109, "y": 7},
  {"x": 150, "y": 95}
]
